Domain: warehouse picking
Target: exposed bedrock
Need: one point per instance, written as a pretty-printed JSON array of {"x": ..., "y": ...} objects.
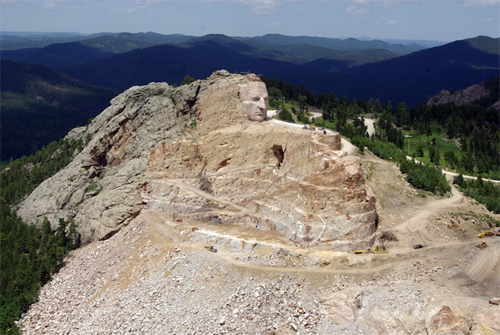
[{"x": 194, "y": 150}]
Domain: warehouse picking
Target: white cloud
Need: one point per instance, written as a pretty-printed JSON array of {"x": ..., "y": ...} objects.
[
  {"x": 490, "y": 19},
  {"x": 338, "y": 25},
  {"x": 51, "y": 4},
  {"x": 391, "y": 23},
  {"x": 261, "y": 7},
  {"x": 372, "y": 24},
  {"x": 479, "y": 3},
  {"x": 355, "y": 11},
  {"x": 276, "y": 24}
]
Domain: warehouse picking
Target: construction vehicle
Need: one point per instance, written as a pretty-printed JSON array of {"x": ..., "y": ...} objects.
[
  {"x": 313, "y": 127},
  {"x": 368, "y": 250},
  {"x": 306, "y": 126},
  {"x": 382, "y": 247},
  {"x": 357, "y": 252},
  {"x": 482, "y": 245},
  {"x": 178, "y": 220},
  {"x": 481, "y": 235},
  {"x": 489, "y": 233},
  {"x": 498, "y": 232},
  {"x": 211, "y": 249}
]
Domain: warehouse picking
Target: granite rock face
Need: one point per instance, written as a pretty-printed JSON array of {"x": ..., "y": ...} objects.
[
  {"x": 461, "y": 97},
  {"x": 192, "y": 149},
  {"x": 316, "y": 197}
]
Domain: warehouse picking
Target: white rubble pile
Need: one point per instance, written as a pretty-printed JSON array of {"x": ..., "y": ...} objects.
[{"x": 133, "y": 283}]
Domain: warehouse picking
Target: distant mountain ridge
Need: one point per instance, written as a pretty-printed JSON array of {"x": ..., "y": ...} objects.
[
  {"x": 378, "y": 73},
  {"x": 349, "y": 44},
  {"x": 103, "y": 45},
  {"x": 412, "y": 78}
]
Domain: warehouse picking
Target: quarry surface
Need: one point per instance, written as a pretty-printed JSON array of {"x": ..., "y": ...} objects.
[{"x": 180, "y": 170}]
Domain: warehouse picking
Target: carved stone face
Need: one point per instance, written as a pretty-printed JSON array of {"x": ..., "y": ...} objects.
[{"x": 255, "y": 100}]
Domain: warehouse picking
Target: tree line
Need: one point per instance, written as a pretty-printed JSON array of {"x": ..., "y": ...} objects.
[
  {"x": 30, "y": 255},
  {"x": 475, "y": 127},
  {"x": 28, "y": 259}
]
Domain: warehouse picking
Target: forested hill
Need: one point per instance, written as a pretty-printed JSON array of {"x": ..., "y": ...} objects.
[
  {"x": 362, "y": 73},
  {"x": 40, "y": 105},
  {"x": 413, "y": 78},
  {"x": 416, "y": 77}
]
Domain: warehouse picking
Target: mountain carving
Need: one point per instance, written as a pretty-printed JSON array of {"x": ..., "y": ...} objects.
[{"x": 192, "y": 150}]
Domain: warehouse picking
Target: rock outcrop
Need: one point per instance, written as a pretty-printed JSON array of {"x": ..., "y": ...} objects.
[
  {"x": 461, "y": 97},
  {"x": 192, "y": 150}
]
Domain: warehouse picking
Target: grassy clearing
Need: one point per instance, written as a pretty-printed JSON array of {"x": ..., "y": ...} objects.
[{"x": 442, "y": 145}]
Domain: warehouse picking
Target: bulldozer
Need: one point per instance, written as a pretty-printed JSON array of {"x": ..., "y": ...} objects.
[
  {"x": 211, "y": 249},
  {"x": 357, "y": 252},
  {"x": 489, "y": 233},
  {"x": 482, "y": 245},
  {"x": 481, "y": 235},
  {"x": 313, "y": 127}
]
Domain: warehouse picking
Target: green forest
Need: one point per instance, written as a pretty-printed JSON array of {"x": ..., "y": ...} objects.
[
  {"x": 29, "y": 255},
  {"x": 40, "y": 105}
]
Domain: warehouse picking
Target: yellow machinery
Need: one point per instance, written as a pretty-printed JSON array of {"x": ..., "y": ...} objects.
[
  {"x": 313, "y": 127},
  {"x": 489, "y": 233},
  {"x": 482, "y": 245},
  {"x": 481, "y": 235},
  {"x": 368, "y": 250},
  {"x": 211, "y": 249}
]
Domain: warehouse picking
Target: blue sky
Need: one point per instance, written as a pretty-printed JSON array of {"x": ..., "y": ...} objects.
[{"x": 442, "y": 20}]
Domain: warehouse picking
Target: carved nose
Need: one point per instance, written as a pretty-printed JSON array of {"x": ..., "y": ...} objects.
[{"x": 262, "y": 103}]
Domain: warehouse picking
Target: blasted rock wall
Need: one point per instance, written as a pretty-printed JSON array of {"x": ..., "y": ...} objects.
[
  {"x": 192, "y": 150},
  {"x": 317, "y": 197}
]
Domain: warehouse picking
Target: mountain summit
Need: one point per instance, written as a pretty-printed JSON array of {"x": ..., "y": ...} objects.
[{"x": 193, "y": 151}]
